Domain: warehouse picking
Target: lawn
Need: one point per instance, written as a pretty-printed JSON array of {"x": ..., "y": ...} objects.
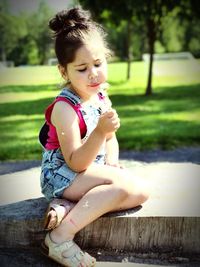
[{"x": 168, "y": 119}]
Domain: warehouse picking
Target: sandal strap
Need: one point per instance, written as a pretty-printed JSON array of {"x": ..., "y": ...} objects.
[
  {"x": 56, "y": 252},
  {"x": 60, "y": 212},
  {"x": 62, "y": 202},
  {"x": 64, "y": 246},
  {"x": 61, "y": 208},
  {"x": 58, "y": 247}
]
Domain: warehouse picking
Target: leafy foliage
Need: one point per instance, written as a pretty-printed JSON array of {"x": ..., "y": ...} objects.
[{"x": 26, "y": 39}]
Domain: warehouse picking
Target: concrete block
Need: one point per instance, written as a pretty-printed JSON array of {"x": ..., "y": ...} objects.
[
  {"x": 21, "y": 225},
  {"x": 168, "y": 222}
]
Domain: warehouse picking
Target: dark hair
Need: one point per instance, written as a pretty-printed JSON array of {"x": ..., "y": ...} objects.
[{"x": 71, "y": 28}]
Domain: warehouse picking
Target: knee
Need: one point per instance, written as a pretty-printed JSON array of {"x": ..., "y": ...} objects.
[
  {"x": 144, "y": 191},
  {"x": 120, "y": 191},
  {"x": 138, "y": 188},
  {"x": 144, "y": 196}
]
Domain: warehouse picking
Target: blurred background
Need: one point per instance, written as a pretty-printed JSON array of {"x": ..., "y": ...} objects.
[
  {"x": 154, "y": 73},
  {"x": 168, "y": 26}
]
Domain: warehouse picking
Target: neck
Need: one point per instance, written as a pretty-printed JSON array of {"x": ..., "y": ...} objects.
[{"x": 84, "y": 98}]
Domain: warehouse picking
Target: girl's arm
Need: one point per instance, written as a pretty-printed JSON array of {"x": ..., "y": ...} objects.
[
  {"x": 112, "y": 150},
  {"x": 112, "y": 146},
  {"x": 79, "y": 156}
]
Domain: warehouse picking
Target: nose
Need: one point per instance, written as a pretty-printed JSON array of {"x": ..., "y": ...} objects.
[{"x": 92, "y": 73}]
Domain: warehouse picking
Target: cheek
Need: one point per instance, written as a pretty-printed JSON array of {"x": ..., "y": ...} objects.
[
  {"x": 79, "y": 77},
  {"x": 103, "y": 72}
]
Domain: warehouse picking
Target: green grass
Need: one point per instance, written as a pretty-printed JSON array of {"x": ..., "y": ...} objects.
[{"x": 168, "y": 119}]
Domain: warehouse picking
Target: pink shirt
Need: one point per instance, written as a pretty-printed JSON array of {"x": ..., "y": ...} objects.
[
  {"x": 52, "y": 140},
  {"x": 48, "y": 135}
]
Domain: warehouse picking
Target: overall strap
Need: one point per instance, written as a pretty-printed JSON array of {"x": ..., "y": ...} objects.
[
  {"x": 48, "y": 131},
  {"x": 75, "y": 106}
]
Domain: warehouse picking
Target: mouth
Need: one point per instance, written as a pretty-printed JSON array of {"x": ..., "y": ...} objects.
[{"x": 94, "y": 85}]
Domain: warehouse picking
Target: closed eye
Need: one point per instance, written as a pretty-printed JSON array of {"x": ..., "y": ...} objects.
[
  {"x": 97, "y": 64},
  {"x": 82, "y": 70}
]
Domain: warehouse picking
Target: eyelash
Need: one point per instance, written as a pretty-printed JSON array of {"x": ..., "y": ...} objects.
[
  {"x": 96, "y": 65},
  {"x": 82, "y": 70}
]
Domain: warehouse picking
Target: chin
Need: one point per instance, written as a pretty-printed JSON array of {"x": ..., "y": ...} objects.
[{"x": 94, "y": 89}]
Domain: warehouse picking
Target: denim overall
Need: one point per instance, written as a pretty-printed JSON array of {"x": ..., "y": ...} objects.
[{"x": 56, "y": 175}]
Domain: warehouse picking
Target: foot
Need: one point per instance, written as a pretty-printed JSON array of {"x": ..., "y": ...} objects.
[
  {"x": 67, "y": 253},
  {"x": 56, "y": 212}
]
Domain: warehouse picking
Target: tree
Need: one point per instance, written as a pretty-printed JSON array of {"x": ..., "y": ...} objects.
[
  {"x": 121, "y": 10},
  {"x": 12, "y": 28},
  {"x": 151, "y": 12},
  {"x": 39, "y": 31},
  {"x": 26, "y": 52},
  {"x": 188, "y": 14},
  {"x": 148, "y": 12}
]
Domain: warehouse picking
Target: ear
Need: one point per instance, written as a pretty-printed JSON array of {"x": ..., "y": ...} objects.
[{"x": 63, "y": 72}]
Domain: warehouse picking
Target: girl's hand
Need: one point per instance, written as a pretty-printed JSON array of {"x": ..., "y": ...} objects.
[{"x": 108, "y": 122}]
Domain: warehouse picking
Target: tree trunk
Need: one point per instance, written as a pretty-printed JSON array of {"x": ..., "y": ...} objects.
[
  {"x": 3, "y": 55},
  {"x": 151, "y": 41},
  {"x": 129, "y": 50}
]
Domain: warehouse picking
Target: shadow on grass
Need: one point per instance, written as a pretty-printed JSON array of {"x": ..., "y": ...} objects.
[
  {"x": 120, "y": 83},
  {"x": 138, "y": 130},
  {"x": 164, "y": 99},
  {"x": 31, "y": 107},
  {"x": 19, "y": 139},
  {"x": 159, "y": 133},
  {"x": 26, "y": 88}
]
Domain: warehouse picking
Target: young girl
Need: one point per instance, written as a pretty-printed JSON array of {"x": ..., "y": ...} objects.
[{"x": 80, "y": 160}]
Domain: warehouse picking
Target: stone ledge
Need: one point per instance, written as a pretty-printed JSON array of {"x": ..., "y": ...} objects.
[
  {"x": 169, "y": 222},
  {"x": 21, "y": 226}
]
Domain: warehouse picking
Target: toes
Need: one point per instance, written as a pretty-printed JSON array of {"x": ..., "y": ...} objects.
[{"x": 89, "y": 260}]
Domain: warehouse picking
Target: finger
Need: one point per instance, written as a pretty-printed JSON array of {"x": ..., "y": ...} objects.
[
  {"x": 115, "y": 120},
  {"x": 113, "y": 116},
  {"x": 111, "y": 111},
  {"x": 109, "y": 114},
  {"x": 116, "y": 126}
]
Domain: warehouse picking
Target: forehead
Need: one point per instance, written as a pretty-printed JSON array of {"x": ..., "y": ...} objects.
[{"x": 90, "y": 51}]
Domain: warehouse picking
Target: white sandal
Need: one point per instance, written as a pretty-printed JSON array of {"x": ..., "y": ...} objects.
[
  {"x": 56, "y": 212},
  {"x": 75, "y": 258}
]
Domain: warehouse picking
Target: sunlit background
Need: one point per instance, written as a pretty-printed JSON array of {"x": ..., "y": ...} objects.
[{"x": 157, "y": 97}]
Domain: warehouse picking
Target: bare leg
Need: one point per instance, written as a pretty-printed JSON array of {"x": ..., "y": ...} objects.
[{"x": 99, "y": 189}]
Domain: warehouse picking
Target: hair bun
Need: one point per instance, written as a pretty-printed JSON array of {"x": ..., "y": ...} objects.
[{"x": 67, "y": 20}]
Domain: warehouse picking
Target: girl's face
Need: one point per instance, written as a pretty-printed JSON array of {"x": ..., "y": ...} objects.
[{"x": 88, "y": 71}]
